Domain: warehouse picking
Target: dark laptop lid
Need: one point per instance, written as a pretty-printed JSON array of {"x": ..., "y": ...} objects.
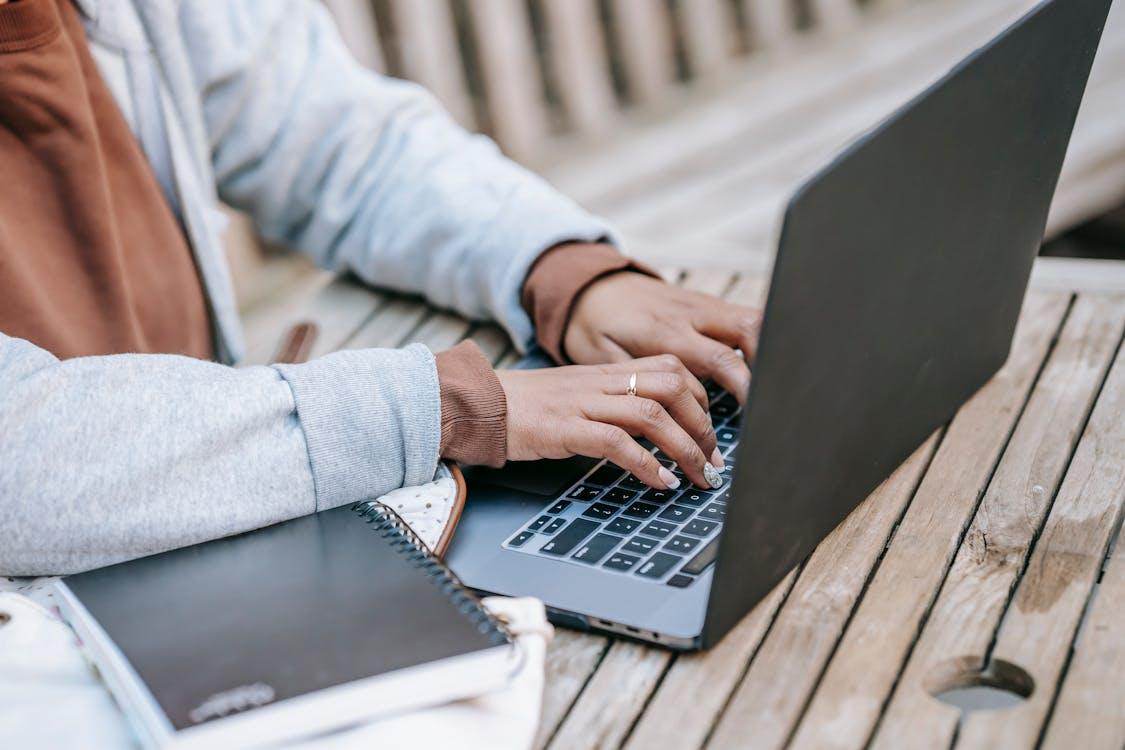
[{"x": 899, "y": 278}]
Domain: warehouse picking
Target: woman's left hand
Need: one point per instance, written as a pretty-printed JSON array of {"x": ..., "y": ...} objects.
[{"x": 630, "y": 315}]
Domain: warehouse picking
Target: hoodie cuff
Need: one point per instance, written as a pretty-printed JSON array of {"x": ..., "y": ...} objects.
[
  {"x": 474, "y": 409},
  {"x": 371, "y": 419},
  {"x": 559, "y": 277}
]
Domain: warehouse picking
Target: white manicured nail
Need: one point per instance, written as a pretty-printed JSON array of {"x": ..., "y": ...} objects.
[
  {"x": 717, "y": 460},
  {"x": 669, "y": 479},
  {"x": 712, "y": 476}
]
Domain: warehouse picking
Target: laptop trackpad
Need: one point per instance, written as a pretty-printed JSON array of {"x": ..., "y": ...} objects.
[{"x": 537, "y": 477}]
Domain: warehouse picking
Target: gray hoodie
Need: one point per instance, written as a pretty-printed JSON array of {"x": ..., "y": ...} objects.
[{"x": 258, "y": 104}]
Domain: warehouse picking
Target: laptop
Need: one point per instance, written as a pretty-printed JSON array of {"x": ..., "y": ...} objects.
[{"x": 899, "y": 276}]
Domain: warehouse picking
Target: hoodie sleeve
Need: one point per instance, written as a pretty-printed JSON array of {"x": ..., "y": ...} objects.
[
  {"x": 104, "y": 459},
  {"x": 363, "y": 172}
]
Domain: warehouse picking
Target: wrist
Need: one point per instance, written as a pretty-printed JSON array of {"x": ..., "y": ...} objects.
[{"x": 559, "y": 278}]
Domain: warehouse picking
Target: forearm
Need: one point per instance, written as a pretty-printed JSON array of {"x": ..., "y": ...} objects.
[{"x": 109, "y": 458}]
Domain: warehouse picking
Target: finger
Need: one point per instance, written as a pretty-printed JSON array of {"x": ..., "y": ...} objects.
[
  {"x": 734, "y": 325},
  {"x": 666, "y": 363},
  {"x": 601, "y": 440},
  {"x": 644, "y": 416},
  {"x": 708, "y": 358},
  {"x": 675, "y": 392}
]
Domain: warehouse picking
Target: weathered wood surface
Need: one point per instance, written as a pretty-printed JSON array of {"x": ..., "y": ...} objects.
[{"x": 991, "y": 545}]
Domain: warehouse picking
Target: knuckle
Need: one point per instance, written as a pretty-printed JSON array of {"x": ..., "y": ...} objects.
[
  {"x": 703, "y": 426},
  {"x": 668, "y": 362},
  {"x": 724, "y": 358},
  {"x": 613, "y": 438},
  {"x": 651, "y": 411},
  {"x": 669, "y": 383}
]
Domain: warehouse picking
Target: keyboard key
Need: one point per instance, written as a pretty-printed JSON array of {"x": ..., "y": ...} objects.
[
  {"x": 584, "y": 493},
  {"x": 676, "y": 513},
  {"x": 658, "y": 529},
  {"x": 619, "y": 495},
  {"x": 699, "y": 528},
  {"x": 606, "y": 475},
  {"x": 658, "y": 565},
  {"x": 570, "y": 537},
  {"x": 559, "y": 507},
  {"x": 726, "y": 436},
  {"x": 632, "y": 483},
  {"x": 725, "y": 406},
  {"x": 640, "y": 510},
  {"x": 680, "y": 581},
  {"x": 622, "y": 526},
  {"x": 714, "y": 512},
  {"x": 520, "y": 539},
  {"x": 714, "y": 390},
  {"x": 639, "y": 545},
  {"x": 600, "y": 510},
  {"x": 693, "y": 497},
  {"x": 539, "y": 523},
  {"x": 681, "y": 544},
  {"x": 664, "y": 459},
  {"x": 594, "y": 550},
  {"x": 703, "y": 558},
  {"x": 621, "y": 561},
  {"x": 659, "y": 496},
  {"x": 554, "y": 526}
]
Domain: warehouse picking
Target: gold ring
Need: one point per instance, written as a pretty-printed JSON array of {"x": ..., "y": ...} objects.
[{"x": 632, "y": 389}]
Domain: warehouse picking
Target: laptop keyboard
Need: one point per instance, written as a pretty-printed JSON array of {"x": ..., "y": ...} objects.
[{"x": 611, "y": 520}]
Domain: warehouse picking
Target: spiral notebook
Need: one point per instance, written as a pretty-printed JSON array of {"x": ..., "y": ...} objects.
[{"x": 293, "y": 630}]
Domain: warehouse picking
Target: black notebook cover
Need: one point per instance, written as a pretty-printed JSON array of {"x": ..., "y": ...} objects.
[{"x": 303, "y": 605}]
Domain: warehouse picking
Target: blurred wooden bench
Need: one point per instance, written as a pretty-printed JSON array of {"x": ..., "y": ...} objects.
[{"x": 689, "y": 122}]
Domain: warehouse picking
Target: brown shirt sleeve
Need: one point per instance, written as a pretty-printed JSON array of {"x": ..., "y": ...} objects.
[
  {"x": 558, "y": 277},
  {"x": 474, "y": 409}
]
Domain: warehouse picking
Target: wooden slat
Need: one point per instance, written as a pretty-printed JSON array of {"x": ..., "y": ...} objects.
[
  {"x": 643, "y": 34},
  {"x": 708, "y": 32},
  {"x": 1088, "y": 713},
  {"x": 429, "y": 53},
  {"x": 972, "y": 600},
  {"x": 390, "y": 324},
  {"x": 613, "y": 698},
  {"x": 834, "y": 16},
  {"x": 339, "y": 307},
  {"x": 850, "y": 696},
  {"x": 763, "y": 711},
  {"x": 579, "y": 64},
  {"x": 771, "y": 22},
  {"x": 707, "y": 678},
  {"x": 571, "y": 659},
  {"x": 356, "y": 20},
  {"x": 512, "y": 78},
  {"x": 700, "y": 140},
  {"x": 1040, "y": 625}
]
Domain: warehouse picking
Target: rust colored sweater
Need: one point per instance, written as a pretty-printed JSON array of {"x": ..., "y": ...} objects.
[{"x": 93, "y": 260}]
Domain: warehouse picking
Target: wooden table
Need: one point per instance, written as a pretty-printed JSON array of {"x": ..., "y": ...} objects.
[{"x": 993, "y": 546}]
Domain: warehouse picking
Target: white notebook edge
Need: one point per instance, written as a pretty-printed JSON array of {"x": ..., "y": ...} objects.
[{"x": 328, "y": 709}]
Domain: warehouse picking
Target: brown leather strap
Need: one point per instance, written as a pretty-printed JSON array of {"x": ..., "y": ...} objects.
[
  {"x": 297, "y": 344},
  {"x": 454, "y": 512}
]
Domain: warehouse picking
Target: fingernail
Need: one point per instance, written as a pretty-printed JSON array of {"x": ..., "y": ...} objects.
[
  {"x": 712, "y": 476},
  {"x": 717, "y": 460},
  {"x": 669, "y": 479}
]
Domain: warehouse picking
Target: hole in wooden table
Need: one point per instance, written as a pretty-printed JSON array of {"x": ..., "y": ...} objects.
[{"x": 962, "y": 683}]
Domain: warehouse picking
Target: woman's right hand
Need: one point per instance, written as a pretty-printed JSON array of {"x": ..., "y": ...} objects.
[{"x": 585, "y": 410}]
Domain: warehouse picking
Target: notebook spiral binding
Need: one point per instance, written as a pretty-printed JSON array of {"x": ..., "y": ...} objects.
[{"x": 392, "y": 527}]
